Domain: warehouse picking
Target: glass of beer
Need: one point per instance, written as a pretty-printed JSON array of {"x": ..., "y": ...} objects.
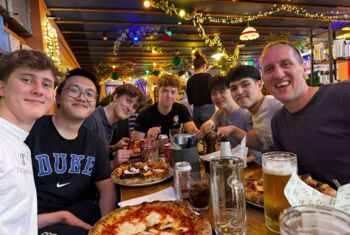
[{"x": 277, "y": 169}]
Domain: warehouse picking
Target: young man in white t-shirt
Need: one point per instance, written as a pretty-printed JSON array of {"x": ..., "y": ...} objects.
[
  {"x": 245, "y": 86},
  {"x": 27, "y": 80}
]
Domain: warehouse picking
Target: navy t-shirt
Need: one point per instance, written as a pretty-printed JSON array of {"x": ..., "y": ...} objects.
[{"x": 65, "y": 170}]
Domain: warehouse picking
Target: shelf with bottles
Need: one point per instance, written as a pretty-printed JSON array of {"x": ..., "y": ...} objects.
[
  {"x": 319, "y": 77},
  {"x": 341, "y": 49}
]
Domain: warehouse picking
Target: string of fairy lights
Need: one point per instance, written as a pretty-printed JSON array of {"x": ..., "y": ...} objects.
[
  {"x": 52, "y": 43},
  {"x": 198, "y": 18}
]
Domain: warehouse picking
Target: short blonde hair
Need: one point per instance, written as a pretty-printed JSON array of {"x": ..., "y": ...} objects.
[{"x": 297, "y": 53}]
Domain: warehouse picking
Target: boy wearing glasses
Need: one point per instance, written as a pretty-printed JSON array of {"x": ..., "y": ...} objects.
[
  {"x": 69, "y": 160},
  {"x": 27, "y": 80}
]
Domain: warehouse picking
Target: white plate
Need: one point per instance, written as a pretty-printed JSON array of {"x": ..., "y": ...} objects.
[{"x": 122, "y": 183}]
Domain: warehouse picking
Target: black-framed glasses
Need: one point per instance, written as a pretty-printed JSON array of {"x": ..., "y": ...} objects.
[{"x": 75, "y": 91}]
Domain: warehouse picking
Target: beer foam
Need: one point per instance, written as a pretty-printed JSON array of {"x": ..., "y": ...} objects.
[{"x": 279, "y": 168}]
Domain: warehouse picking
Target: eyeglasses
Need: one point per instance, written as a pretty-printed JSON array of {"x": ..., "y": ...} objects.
[{"x": 75, "y": 92}]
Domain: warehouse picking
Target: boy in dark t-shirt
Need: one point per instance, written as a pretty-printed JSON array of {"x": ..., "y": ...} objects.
[
  {"x": 165, "y": 114},
  {"x": 69, "y": 161}
]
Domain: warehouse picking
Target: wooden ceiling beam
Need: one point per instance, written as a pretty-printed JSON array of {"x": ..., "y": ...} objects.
[
  {"x": 129, "y": 24},
  {"x": 271, "y": 3},
  {"x": 174, "y": 34},
  {"x": 155, "y": 12},
  {"x": 163, "y": 47}
]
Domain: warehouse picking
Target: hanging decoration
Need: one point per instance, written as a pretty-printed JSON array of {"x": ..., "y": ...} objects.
[
  {"x": 133, "y": 37},
  {"x": 52, "y": 44},
  {"x": 154, "y": 49},
  {"x": 282, "y": 36},
  {"x": 103, "y": 70},
  {"x": 156, "y": 72},
  {"x": 114, "y": 76},
  {"x": 166, "y": 37},
  {"x": 249, "y": 33},
  {"x": 177, "y": 61},
  {"x": 199, "y": 18},
  {"x": 170, "y": 9}
]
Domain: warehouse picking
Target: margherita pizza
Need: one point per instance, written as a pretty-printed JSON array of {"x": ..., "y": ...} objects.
[
  {"x": 140, "y": 172},
  {"x": 254, "y": 190},
  {"x": 165, "y": 218}
]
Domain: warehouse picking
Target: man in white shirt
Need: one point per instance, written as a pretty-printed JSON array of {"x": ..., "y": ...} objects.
[{"x": 27, "y": 80}]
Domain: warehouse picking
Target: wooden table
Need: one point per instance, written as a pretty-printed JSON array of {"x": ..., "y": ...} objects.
[{"x": 255, "y": 215}]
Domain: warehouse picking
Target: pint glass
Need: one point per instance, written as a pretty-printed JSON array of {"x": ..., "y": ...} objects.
[{"x": 277, "y": 169}]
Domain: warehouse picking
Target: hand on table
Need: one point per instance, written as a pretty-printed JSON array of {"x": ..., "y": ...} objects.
[
  {"x": 153, "y": 132},
  {"x": 207, "y": 126},
  {"x": 120, "y": 156},
  {"x": 225, "y": 131},
  {"x": 61, "y": 217},
  {"x": 122, "y": 143},
  {"x": 70, "y": 219}
]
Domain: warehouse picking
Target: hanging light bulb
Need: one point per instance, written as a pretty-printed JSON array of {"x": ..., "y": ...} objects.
[
  {"x": 217, "y": 56},
  {"x": 249, "y": 33},
  {"x": 105, "y": 38},
  {"x": 146, "y": 4},
  {"x": 182, "y": 13}
]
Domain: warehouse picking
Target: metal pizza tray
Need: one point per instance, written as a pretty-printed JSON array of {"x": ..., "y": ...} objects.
[{"x": 122, "y": 183}]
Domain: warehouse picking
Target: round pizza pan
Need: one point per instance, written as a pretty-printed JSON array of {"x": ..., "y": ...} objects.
[{"x": 122, "y": 183}]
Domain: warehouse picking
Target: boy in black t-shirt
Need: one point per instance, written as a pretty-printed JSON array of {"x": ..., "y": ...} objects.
[
  {"x": 165, "y": 114},
  {"x": 69, "y": 160}
]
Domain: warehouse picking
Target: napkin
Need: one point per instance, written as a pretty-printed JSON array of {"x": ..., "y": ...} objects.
[
  {"x": 167, "y": 194},
  {"x": 239, "y": 151},
  {"x": 299, "y": 193}
]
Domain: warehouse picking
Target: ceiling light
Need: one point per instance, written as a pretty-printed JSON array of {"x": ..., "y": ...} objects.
[
  {"x": 193, "y": 50},
  {"x": 217, "y": 56},
  {"x": 182, "y": 13},
  {"x": 146, "y": 4},
  {"x": 105, "y": 38},
  {"x": 249, "y": 33}
]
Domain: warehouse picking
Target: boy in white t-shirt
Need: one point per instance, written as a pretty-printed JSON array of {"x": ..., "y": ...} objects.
[
  {"x": 27, "y": 81},
  {"x": 245, "y": 86}
]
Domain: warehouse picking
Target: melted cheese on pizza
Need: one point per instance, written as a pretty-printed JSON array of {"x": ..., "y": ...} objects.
[
  {"x": 153, "y": 218},
  {"x": 153, "y": 223},
  {"x": 130, "y": 228}
]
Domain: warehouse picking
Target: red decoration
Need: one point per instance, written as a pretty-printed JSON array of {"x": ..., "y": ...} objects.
[
  {"x": 115, "y": 69},
  {"x": 166, "y": 37}
]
